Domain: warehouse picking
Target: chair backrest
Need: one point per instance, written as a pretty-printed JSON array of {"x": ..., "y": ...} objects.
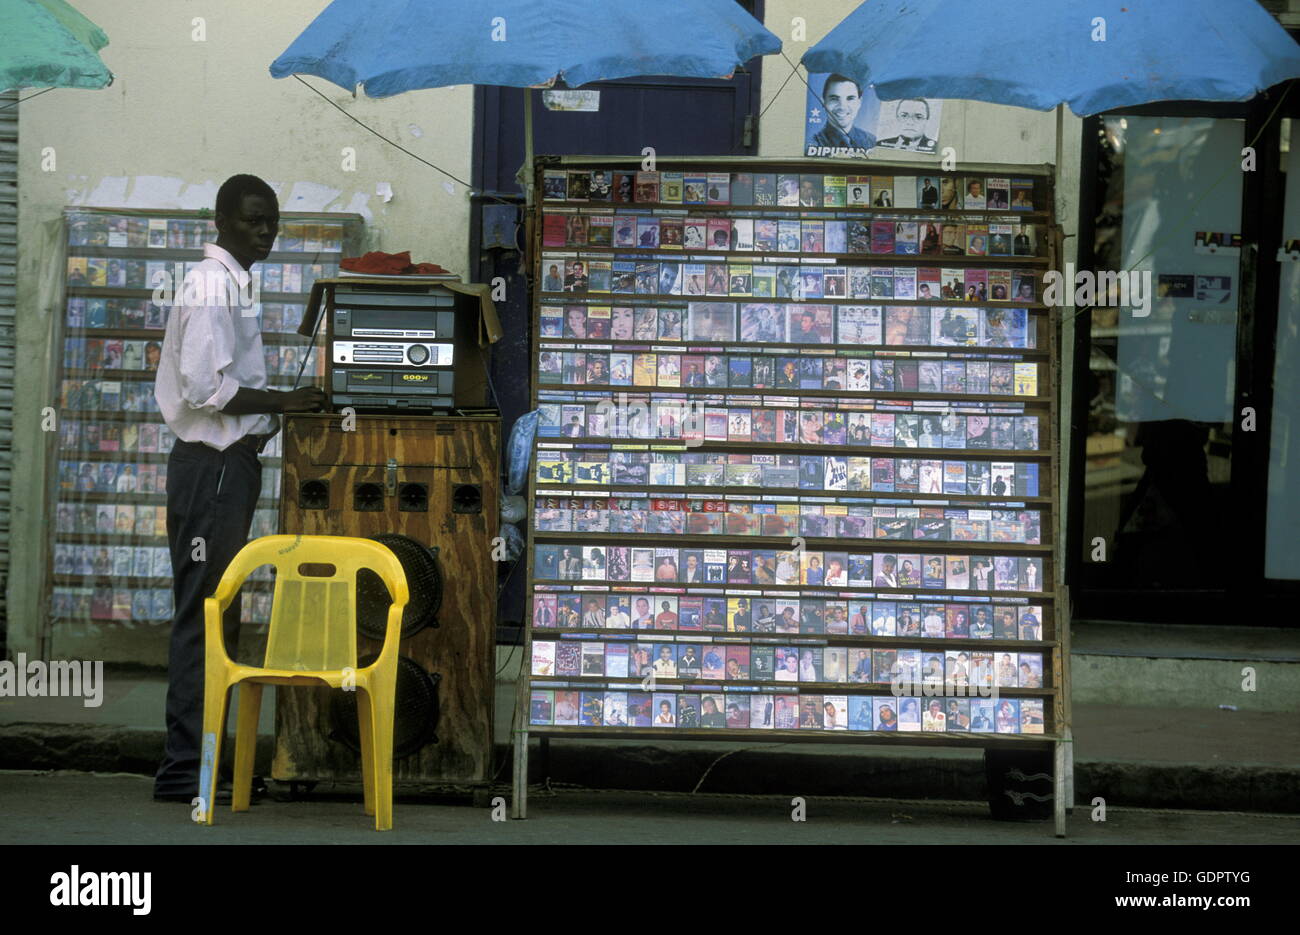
[{"x": 313, "y": 616}]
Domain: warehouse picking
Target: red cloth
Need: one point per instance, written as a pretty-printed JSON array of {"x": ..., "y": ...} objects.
[{"x": 390, "y": 264}]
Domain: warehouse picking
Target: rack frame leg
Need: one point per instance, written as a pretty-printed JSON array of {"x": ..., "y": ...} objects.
[
  {"x": 1060, "y": 782},
  {"x": 519, "y": 790}
]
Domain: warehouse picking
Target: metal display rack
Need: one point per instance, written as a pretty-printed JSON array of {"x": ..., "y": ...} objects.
[{"x": 613, "y": 477}]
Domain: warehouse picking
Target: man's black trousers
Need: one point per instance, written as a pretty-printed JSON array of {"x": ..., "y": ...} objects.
[{"x": 211, "y": 496}]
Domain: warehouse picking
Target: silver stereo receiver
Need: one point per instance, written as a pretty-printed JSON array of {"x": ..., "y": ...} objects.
[{"x": 393, "y": 353}]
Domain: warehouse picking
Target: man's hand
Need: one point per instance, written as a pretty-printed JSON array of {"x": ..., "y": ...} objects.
[
  {"x": 303, "y": 399},
  {"x": 248, "y": 401}
]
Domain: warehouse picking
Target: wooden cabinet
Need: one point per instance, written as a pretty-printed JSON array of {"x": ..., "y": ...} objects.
[{"x": 434, "y": 479}]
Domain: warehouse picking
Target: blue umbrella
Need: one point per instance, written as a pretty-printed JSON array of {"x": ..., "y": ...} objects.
[
  {"x": 391, "y": 46},
  {"x": 1047, "y": 52}
]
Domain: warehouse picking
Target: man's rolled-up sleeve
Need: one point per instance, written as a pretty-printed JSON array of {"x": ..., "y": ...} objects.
[{"x": 207, "y": 343}]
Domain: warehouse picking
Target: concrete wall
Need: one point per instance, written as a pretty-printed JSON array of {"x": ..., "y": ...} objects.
[{"x": 180, "y": 117}]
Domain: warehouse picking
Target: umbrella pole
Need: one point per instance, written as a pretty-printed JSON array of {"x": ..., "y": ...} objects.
[
  {"x": 1060, "y": 152},
  {"x": 1060, "y": 137},
  {"x": 528, "y": 147},
  {"x": 527, "y": 178}
]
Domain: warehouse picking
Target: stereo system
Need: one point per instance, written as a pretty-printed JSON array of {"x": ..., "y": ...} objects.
[{"x": 393, "y": 347}]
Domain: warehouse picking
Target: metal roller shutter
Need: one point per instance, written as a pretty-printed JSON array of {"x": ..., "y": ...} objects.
[{"x": 8, "y": 288}]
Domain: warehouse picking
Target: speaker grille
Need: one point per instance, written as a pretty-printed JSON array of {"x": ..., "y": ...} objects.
[
  {"x": 415, "y": 714},
  {"x": 423, "y": 581}
]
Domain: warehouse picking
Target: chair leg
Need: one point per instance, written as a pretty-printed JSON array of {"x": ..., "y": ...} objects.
[
  {"x": 381, "y": 711},
  {"x": 366, "y": 727},
  {"x": 250, "y": 706},
  {"x": 216, "y": 699}
]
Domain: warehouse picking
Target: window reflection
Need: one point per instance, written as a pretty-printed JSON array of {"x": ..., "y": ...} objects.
[
  {"x": 1161, "y": 384},
  {"x": 1282, "y": 531}
]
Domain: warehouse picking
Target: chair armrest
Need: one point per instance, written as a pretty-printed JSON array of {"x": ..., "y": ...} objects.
[
  {"x": 392, "y": 631},
  {"x": 213, "y": 632},
  {"x": 231, "y": 581}
]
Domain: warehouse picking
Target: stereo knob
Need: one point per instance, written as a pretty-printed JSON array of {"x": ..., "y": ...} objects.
[{"x": 417, "y": 353}]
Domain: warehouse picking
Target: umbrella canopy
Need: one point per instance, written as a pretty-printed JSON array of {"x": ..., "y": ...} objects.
[
  {"x": 1048, "y": 52},
  {"x": 391, "y": 46},
  {"x": 48, "y": 44}
]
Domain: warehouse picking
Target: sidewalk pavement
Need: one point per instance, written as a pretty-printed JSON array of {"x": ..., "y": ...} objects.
[
  {"x": 69, "y": 808},
  {"x": 1149, "y": 757}
]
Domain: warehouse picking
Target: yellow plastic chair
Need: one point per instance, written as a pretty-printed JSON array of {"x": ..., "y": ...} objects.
[{"x": 312, "y": 640}]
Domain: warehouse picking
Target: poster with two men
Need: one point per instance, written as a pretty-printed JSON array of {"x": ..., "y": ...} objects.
[{"x": 845, "y": 120}]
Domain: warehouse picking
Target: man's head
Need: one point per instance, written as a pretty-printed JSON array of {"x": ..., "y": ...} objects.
[
  {"x": 842, "y": 97},
  {"x": 912, "y": 114},
  {"x": 247, "y": 218}
]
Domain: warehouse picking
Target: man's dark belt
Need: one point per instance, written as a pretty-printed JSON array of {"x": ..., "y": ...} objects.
[{"x": 256, "y": 442}]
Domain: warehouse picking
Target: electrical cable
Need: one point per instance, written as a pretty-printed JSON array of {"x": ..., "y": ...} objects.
[
  {"x": 394, "y": 144},
  {"x": 27, "y": 98}
]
